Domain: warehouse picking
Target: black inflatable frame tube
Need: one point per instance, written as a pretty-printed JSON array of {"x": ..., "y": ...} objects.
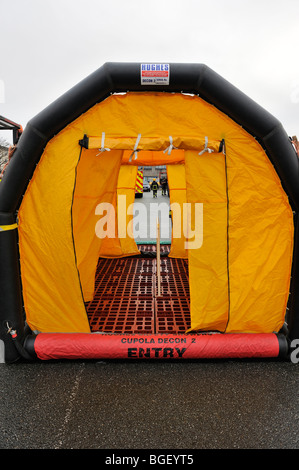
[{"x": 124, "y": 77}]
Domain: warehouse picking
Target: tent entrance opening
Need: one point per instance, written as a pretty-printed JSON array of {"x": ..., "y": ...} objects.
[{"x": 125, "y": 298}]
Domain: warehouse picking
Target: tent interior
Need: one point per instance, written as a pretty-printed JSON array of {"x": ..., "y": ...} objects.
[{"x": 236, "y": 252}]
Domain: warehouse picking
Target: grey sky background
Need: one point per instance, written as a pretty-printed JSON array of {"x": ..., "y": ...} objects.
[{"x": 48, "y": 46}]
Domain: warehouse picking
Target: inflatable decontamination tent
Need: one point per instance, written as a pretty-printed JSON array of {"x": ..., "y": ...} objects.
[{"x": 225, "y": 156}]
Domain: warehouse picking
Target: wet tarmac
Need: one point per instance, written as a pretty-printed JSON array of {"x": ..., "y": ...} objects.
[{"x": 227, "y": 404}]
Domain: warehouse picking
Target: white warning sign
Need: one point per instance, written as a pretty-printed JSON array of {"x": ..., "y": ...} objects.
[{"x": 155, "y": 74}]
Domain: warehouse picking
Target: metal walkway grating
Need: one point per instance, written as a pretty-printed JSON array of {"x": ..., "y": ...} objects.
[{"x": 125, "y": 298}]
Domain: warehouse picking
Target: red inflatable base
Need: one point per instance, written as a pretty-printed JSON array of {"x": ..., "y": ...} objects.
[{"x": 159, "y": 346}]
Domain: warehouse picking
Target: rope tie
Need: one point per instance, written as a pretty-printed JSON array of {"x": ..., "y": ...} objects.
[
  {"x": 135, "y": 151},
  {"x": 206, "y": 148},
  {"x": 103, "y": 149},
  {"x": 171, "y": 146}
]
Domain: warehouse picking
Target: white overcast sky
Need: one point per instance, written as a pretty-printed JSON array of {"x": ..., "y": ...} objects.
[{"x": 47, "y": 46}]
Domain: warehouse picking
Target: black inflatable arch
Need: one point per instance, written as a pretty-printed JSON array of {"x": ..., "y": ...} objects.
[{"x": 197, "y": 79}]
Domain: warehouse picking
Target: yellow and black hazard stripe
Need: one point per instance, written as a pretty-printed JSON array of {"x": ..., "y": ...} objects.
[
  {"x": 5, "y": 228},
  {"x": 139, "y": 182}
]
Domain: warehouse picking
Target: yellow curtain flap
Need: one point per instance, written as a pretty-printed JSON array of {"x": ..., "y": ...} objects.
[{"x": 177, "y": 193}]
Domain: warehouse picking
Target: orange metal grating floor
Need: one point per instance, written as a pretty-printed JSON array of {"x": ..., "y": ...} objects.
[{"x": 126, "y": 301}]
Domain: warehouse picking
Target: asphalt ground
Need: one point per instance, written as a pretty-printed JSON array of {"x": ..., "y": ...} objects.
[
  {"x": 155, "y": 406},
  {"x": 227, "y": 404}
]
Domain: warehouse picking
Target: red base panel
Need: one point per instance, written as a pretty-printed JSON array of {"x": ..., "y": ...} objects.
[{"x": 112, "y": 346}]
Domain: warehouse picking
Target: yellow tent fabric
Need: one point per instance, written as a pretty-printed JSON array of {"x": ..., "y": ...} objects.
[
  {"x": 208, "y": 271},
  {"x": 260, "y": 243},
  {"x": 154, "y": 158},
  {"x": 258, "y": 218},
  {"x": 177, "y": 184},
  {"x": 126, "y": 197},
  {"x": 95, "y": 191},
  {"x": 51, "y": 285}
]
